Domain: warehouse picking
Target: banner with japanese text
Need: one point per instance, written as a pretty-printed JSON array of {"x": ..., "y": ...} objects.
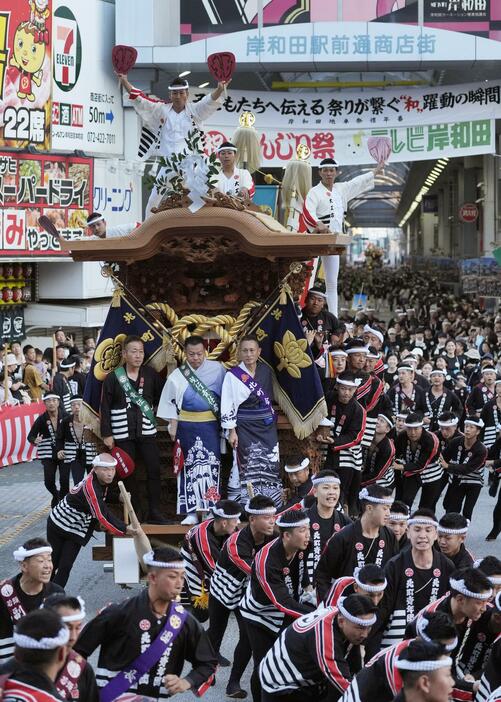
[
  {"x": 352, "y": 146},
  {"x": 350, "y": 109},
  {"x": 32, "y": 185},
  {"x": 25, "y": 74}
]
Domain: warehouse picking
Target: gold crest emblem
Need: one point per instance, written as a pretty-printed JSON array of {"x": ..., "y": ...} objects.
[
  {"x": 291, "y": 354},
  {"x": 108, "y": 356},
  {"x": 175, "y": 621}
]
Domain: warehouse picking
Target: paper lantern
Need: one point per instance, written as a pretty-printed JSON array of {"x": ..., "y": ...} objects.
[
  {"x": 222, "y": 65},
  {"x": 379, "y": 149},
  {"x": 123, "y": 58}
]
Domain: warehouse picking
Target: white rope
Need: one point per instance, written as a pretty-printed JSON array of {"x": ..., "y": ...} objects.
[
  {"x": 21, "y": 553},
  {"x": 44, "y": 644},
  {"x": 352, "y": 618},
  {"x": 149, "y": 560}
]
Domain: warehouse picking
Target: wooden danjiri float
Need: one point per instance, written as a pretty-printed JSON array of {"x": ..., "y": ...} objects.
[{"x": 207, "y": 273}]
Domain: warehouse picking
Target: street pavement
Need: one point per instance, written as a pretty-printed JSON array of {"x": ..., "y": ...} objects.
[{"x": 24, "y": 506}]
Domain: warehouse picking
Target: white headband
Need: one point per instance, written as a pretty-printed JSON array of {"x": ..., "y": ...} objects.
[
  {"x": 448, "y": 422},
  {"x": 386, "y": 419},
  {"x": 280, "y": 522},
  {"x": 421, "y": 625},
  {"x": 294, "y": 469},
  {"x": 349, "y": 383},
  {"x": 447, "y": 530},
  {"x": 423, "y": 666},
  {"x": 461, "y": 587},
  {"x": 497, "y": 601},
  {"x": 439, "y": 371},
  {"x": 398, "y": 517},
  {"x": 50, "y": 396},
  {"x": 413, "y": 425},
  {"x": 98, "y": 462},
  {"x": 94, "y": 220},
  {"x": 20, "y": 554},
  {"x": 79, "y": 616},
  {"x": 494, "y": 580},
  {"x": 479, "y": 423},
  {"x": 374, "y": 332},
  {"x": 266, "y": 510},
  {"x": 226, "y": 148},
  {"x": 364, "y": 495},
  {"x": 358, "y": 349},
  {"x": 352, "y": 618},
  {"x": 46, "y": 643},
  {"x": 373, "y": 355},
  {"x": 366, "y": 586},
  {"x": 338, "y": 352},
  {"x": 149, "y": 560},
  {"x": 326, "y": 480},
  {"x": 427, "y": 521},
  {"x": 179, "y": 87},
  {"x": 218, "y": 512},
  {"x": 406, "y": 368}
]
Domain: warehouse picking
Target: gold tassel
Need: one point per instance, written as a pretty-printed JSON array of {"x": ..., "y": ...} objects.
[
  {"x": 283, "y": 296},
  {"x": 116, "y": 299},
  {"x": 202, "y": 601}
]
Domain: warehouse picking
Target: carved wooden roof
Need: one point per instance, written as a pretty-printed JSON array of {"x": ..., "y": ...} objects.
[{"x": 167, "y": 232}]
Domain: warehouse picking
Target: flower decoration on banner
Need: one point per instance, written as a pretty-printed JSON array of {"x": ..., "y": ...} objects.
[
  {"x": 190, "y": 169},
  {"x": 292, "y": 354},
  {"x": 373, "y": 256}
]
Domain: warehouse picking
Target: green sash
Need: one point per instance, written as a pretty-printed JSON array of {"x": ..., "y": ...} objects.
[
  {"x": 132, "y": 395},
  {"x": 200, "y": 388}
]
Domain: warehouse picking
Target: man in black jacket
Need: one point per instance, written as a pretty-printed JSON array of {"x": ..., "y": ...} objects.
[
  {"x": 127, "y": 634},
  {"x": 43, "y": 434},
  {"x": 26, "y": 591},
  {"x": 129, "y": 397},
  {"x": 72, "y": 521},
  {"x": 41, "y": 639},
  {"x": 367, "y": 540}
]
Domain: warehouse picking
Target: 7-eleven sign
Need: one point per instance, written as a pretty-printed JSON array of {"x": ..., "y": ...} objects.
[{"x": 67, "y": 49}]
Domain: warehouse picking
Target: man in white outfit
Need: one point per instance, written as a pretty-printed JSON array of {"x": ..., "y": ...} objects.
[
  {"x": 168, "y": 123},
  {"x": 324, "y": 210},
  {"x": 232, "y": 180},
  {"x": 98, "y": 227}
]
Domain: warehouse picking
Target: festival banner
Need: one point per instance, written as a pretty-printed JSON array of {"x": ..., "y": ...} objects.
[
  {"x": 356, "y": 146},
  {"x": 333, "y": 109},
  {"x": 15, "y": 424},
  {"x": 31, "y": 185},
  {"x": 285, "y": 350},
  {"x": 123, "y": 319},
  {"x": 25, "y": 74}
]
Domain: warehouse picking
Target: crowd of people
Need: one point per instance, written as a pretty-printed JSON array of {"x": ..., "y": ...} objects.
[{"x": 341, "y": 583}]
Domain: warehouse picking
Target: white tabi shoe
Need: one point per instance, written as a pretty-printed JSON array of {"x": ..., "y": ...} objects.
[{"x": 190, "y": 519}]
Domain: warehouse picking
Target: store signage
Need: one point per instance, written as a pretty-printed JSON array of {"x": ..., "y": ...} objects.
[{"x": 468, "y": 212}]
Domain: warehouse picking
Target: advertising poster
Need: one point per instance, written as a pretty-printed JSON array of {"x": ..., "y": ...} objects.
[
  {"x": 25, "y": 74},
  {"x": 87, "y": 112},
  {"x": 58, "y": 187}
]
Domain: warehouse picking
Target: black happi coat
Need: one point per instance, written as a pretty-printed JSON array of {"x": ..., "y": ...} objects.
[
  {"x": 310, "y": 653},
  {"x": 466, "y": 465},
  {"x": 408, "y": 591},
  {"x": 126, "y": 421},
  {"x": 123, "y": 630},
  {"x": 83, "y": 510},
  {"x": 233, "y": 567},
  {"x": 47, "y": 448},
  {"x": 28, "y": 603},
  {"x": 272, "y": 597},
  {"x": 348, "y": 549}
]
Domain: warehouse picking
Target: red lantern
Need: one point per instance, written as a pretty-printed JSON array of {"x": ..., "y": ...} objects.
[
  {"x": 17, "y": 294},
  {"x": 18, "y": 270},
  {"x": 222, "y": 65},
  {"x": 125, "y": 462},
  {"x": 123, "y": 58},
  {"x": 8, "y": 270},
  {"x": 28, "y": 270},
  {"x": 6, "y": 294}
]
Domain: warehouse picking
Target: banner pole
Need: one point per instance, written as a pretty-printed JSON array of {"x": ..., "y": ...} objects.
[{"x": 5, "y": 374}]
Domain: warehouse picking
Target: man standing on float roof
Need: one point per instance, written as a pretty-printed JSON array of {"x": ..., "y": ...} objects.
[
  {"x": 324, "y": 211},
  {"x": 167, "y": 124}
]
